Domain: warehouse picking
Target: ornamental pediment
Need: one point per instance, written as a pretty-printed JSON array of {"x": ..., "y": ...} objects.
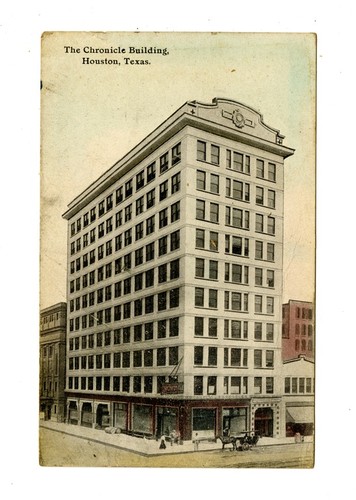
[{"x": 236, "y": 116}]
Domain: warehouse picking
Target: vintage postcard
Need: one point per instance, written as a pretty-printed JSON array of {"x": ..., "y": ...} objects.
[{"x": 177, "y": 250}]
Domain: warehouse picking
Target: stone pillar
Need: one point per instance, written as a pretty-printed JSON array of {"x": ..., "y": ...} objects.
[{"x": 95, "y": 408}]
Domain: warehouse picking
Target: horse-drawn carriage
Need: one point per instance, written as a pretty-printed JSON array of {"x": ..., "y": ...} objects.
[{"x": 239, "y": 442}]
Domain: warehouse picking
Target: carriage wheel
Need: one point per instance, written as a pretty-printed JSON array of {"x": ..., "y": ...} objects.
[{"x": 245, "y": 446}]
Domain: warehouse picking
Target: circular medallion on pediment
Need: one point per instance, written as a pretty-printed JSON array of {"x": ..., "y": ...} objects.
[{"x": 238, "y": 118}]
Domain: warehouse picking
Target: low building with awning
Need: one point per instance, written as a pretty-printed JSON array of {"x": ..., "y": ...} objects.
[{"x": 299, "y": 376}]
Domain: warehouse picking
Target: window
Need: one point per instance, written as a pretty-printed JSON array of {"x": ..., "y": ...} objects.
[
  {"x": 213, "y": 298},
  {"x": 198, "y": 355},
  {"x": 150, "y": 198},
  {"x": 161, "y": 356},
  {"x": 150, "y": 225},
  {"x": 140, "y": 180},
  {"x": 269, "y": 385},
  {"x": 174, "y": 298},
  {"x": 138, "y": 256},
  {"x": 109, "y": 202},
  {"x": 128, "y": 237},
  {"x": 259, "y": 196},
  {"x": 109, "y": 225},
  {"x": 213, "y": 327},
  {"x": 214, "y": 212},
  {"x": 175, "y": 186},
  {"x": 174, "y": 327},
  {"x": 163, "y": 190},
  {"x": 162, "y": 301},
  {"x": 163, "y": 218},
  {"x": 258, "y": 331},
  {"x": 199, "y": 297},
  {"x": 199, "y": 238},
  {"x": 270, "y": 332},
  {"x": 258, "y": 303},
  {"x": 198, "y": 385},
  {"x": 162, "y": 273},
  {"x": 92, "y": 214},
  {"x": 150, "y": 251},
  {"x": 118, "y": 218},
  {"x": 149, "y": 304},
  {"x": 201, "y": 150},
  {"x": 148, "y": 357},
  {"x": 259, "y": 223},
  {"x": 270, "y": 305},
  {"x": 137, "y": 383},
  {"x": 128, "y": 213},
  {"x": 269, "y": 359},
  {"x": 215, "y": 154},
  {"x": 151, "y": 172},
  {"x": 212, "y": 356},
  {"x": 270, "y": 252},
  {"x": 200, "y": 210},
  {"x": 161, "y": 329},
  {"x": 162, "y": 246},
  {"x": 258, "y": 276},
  {"x": 175, "y": 240},
  {"x": 175, "y": 211},
  {"x": 139, "y": 205},
  {"x": 213, "y": 241},
  {"x": 119, "y": 195},
  {"x": 199, "y": 268},
  {"x": 260, "y": 168},
  {"x": 272, "y": 172},
  {"x": 139, "y": 231},
  {"x": 163, "y": 163},
  {"x": 271, "y": 225},
  {"x": 271, "y": 200},
  {"x": 257, "y": 385},
  {"x": 201, "y": 180},
  {"x": 176, "y": 154},
  {"x": 174, "y": 269},
  {"x": 199, "y": 326},
  {"x": 128, "y": 188},
  {"x": 138, "y": 307},
  {"x": 257, "y": 357},
  {"x": 213, "y": 269},
  {"x": 149, "y": 330},
  {"x": 237, "y": 218}
]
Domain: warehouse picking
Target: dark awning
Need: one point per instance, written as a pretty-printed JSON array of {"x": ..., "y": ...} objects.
[{"x": 300, "y": 414}]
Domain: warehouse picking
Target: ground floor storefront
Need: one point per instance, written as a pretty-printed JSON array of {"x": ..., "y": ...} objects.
[{"x": 187, "y": 419}]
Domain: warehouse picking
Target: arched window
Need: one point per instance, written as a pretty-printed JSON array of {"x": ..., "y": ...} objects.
[
  {"x": 297, "y": 344},
  {"x": 297, "y": 329},
  {"x": 303, "y": 345}
]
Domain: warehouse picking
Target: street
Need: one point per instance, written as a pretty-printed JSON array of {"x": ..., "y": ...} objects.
[{"x": 59, "y": 449}]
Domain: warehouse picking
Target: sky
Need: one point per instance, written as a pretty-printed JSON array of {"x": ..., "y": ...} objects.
[{"x": 92, "y": 115}]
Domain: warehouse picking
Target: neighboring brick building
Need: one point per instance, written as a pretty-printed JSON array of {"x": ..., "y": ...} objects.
[
  {"x": 175, "y": 280},
  {"x": 53, "y": 361},
  {"x": 298, "y": 335}
]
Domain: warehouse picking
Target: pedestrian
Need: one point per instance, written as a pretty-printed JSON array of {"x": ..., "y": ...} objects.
[{"x": 162, "y": 445}]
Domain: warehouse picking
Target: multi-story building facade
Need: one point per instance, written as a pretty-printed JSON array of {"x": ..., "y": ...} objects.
[
  {"x": 298, "y": 332},
  {"x": 175, "y": 280},
  {"x": 53, "y": 322}
]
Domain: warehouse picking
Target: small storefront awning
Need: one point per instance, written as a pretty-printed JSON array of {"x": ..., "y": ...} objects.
[{"x": 300, "y": 414}]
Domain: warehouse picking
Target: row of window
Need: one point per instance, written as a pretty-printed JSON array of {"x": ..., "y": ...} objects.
[
  {"x": 161, "y": 329},
  {"x": 169, "y": 327},
  {"x": 298, "y": 385},
  {"x": 237, "y": 190},
  {"x": 233, "y": 301},
  {"x": 303, "y": 345},
  {"x": 143, "y": 254},
  {"x": 203, "y": 385},
  {"x": 236, "y": 161},
  {"x": 166, "y": 216},
  {"x": 234, "y": 273},
  {"x": 299, "y": 329},
  {"x": 162, "y": 301},
  {"x": 235, "y": 217},
  {"x": 167, "y": 160},
  {"x": 168, "y": 271},
  {"x": 233, "y": 357},
  {"x": 162, "y": 356}
]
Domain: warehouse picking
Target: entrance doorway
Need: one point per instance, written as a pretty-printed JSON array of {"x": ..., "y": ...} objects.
[
  {"x": 167, "y": 421},
  {"x": 264, "y": 422},
  {"x": 102, "y": 415}
]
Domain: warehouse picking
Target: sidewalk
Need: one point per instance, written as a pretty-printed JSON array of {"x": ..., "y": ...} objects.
[{"x": 148, "y": 447}]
